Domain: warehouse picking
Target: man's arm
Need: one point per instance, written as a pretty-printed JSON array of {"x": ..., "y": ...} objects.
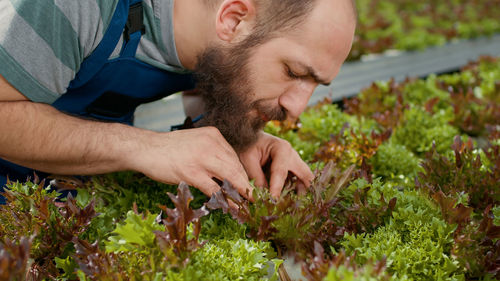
[{"x": 38, "y": 136}]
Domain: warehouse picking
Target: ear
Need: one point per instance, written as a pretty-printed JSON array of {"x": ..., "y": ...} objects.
[{"x": 235, "y": 19}]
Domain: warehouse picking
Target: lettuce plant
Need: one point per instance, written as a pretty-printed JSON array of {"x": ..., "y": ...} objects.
[
  {"x": 33, "y": 212},
  {"x": 342, "y": 267},
  {"x": 305, "y": 148},
  {"x": 351, "y": 148},
  {"x": 15, "y": 258},
  {"x": 115, "y": 194},
  {"x": 300, "y": 224},
  {"x": 428, "y": 129},
  {"x": 393, "y": 162},
  {"x": 408, "y": 25},
  {"x": 446, "y": 180},
  {"x": 149, "y": 247},
  {"x": 368, "y": 272},
  {"x": 293, "y": 220},
  {"x": 463, "y": 173},
  {"x": 416, "y": 242},
  {"x": 382, "y": 101}
]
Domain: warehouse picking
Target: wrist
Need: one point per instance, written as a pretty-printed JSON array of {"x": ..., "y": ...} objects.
[{"x": 133, "y": 146}]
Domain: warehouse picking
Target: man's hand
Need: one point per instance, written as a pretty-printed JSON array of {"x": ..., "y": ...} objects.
[
  {"x": 195, "y": 156},
  {"x": 284, "y": 159}
]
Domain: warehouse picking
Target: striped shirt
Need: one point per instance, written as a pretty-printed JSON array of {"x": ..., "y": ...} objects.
[{"x": 44, "y": 42}]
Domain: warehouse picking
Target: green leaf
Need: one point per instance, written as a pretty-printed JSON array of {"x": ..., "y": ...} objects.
[
  {"x": 68, "y": 266},
  {"x": 83, "y": 197},
  {"x": 135, "y": 232},
  {"x": 496, "y": 213}
]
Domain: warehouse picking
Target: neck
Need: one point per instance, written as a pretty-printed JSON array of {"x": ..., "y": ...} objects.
[{"x": 194, "y": 28}]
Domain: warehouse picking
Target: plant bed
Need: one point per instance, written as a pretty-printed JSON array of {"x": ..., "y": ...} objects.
[
  {"x": 408, "y": 25},
  {"x": 407, "y": 188}
]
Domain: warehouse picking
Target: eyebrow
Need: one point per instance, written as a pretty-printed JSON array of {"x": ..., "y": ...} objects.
[{"x": 311, "y": 73}]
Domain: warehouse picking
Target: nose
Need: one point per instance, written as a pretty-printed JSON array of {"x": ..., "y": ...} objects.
[{"x": 295, "y": 99}]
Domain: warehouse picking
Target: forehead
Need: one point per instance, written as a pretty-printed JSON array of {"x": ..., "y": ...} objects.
[{"x": 322, "y": 41}]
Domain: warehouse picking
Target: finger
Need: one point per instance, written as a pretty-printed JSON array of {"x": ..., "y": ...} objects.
[
  {"x": 301, "y": 188},
  {"x": 302, "y": 171},
  {"x": 244, "y": 188},
  {"x": 232, "y": 205},
  {"x": 209, "y": 187},
  {"x": 205, "y": 184},
  {"x": 251, "y": 163},
  {"x": 278, "y": 178},
  {"x": 232, "y": 170},
  {"x": 225, "y": 171}
]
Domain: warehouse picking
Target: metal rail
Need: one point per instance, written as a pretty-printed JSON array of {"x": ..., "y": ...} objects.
[{"x": 353, "y": 76}]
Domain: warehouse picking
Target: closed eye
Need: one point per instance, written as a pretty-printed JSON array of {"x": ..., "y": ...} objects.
[
  {"x": 307, "y": 72},
  {"x": 291, "y": 74}
]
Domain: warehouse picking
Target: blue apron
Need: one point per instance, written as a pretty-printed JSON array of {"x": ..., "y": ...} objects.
[{"x": 111, "y": 90}]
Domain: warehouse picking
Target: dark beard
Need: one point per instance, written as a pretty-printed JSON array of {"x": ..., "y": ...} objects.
[{"x": 222, "y": 80}]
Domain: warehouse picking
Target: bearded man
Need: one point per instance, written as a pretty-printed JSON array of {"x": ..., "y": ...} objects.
[{"x": 73, "y": 72}]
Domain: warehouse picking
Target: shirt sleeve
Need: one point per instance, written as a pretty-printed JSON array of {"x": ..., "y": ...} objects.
[{"x": 44, "y": 42}]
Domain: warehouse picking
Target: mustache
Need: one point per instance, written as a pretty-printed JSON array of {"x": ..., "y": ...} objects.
[{"x": 269, "y": 113}]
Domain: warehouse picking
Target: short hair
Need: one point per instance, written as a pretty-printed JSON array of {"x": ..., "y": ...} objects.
[
  {"x": 274, "y": 17},
  {"x": 281, "y": 15}
]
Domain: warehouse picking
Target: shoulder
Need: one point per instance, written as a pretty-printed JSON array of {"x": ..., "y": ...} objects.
[{"x": 43, "y": 42}]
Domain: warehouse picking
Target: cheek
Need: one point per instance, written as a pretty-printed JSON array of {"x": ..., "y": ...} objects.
[
  {"x": 268, "y": 81},
  {"x": 271, "y": 88}
]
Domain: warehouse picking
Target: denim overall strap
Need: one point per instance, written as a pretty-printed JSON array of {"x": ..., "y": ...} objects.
[{"x": 100, "y": 55}]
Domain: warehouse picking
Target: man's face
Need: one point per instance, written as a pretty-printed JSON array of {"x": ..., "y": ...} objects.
[
  {"x": 243, "y": 88},
  {"x": 223, "y": 81}
]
